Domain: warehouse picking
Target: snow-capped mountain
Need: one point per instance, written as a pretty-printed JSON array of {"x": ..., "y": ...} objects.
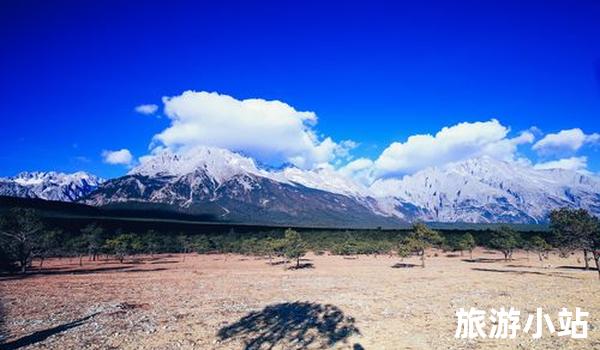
[
  {"x": 229, "y": 186},
  {"x": 323, "y": 178},
  {"x": 221, "y": 165},
  {"x": 487, "y": 190},
  {"x": 233, "y": 187},
  {"x": 49, "y": 185}
]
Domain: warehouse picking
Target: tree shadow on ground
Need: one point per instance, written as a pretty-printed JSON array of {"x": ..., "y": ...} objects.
[
  {"x": 523, "y": 266},
  {"x": 302, "y": 266},
  {"x": 43, "y": 335},
  {"x": 164, "y": 262},
  {"x": 295, "y": 325},
  {"x": 518, "y": 272},
  {"x": 580, "y": 268},
  {"x": 70, "y": 271},
  {"x": 403, "y": 265},
  {"x": 485, "y": 260},
  {"x": 134, "y": 260}
]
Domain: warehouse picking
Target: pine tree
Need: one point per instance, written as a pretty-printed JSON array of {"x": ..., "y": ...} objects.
[
  {"x": 21, "y": 230},
  {"x": 505, "y": 240},
  {"x": 418, "y": 240},
  {"x": 295, "y": 247}
]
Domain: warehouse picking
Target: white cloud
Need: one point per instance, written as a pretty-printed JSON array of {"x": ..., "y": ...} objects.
[
  {"x": 573, "y": 163},
  {"x": 565, "y": 141},
  {"x": 272, "y": 132},
  {"x": 360, "y": 169},
  {"x": 147, "y": 109},
  {"x": 122, "y": 157},
  {"x": 451, "y": 144}
]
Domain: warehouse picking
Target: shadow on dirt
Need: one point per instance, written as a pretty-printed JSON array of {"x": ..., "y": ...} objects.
[
  {"x": 71, "y": 271},
  {"x": 43, "y": 335},
  {"x": 165, "y": 262},
  {"x": 517, "y": 272},
  {"x": 297, "y": 325},
  {"x": 403, "y": 265},
  {"x": 580, "y": 268},
  {"x": 485, "y": 260},
  {"x": 302, "y": 266}
]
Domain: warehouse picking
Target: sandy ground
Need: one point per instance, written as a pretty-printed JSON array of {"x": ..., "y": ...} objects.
[{"x": 235, "y": 302}]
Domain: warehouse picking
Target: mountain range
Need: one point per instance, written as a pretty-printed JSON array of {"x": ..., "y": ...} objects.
[
  {"x": 231, "y": 187},
  {"x": 50, "y": 185}
]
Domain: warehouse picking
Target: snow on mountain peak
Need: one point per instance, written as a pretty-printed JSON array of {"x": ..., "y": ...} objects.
[
  {"x": 50, "y": 185},
  {"x": 486, "y": 189},
  {"x": 37, "y": 177},
  {"x": 221, "y": 165},
  {"x": 481, "y": 189},
  {"x": 324, "y": 178},
  {"x": 218, "y": 163}
]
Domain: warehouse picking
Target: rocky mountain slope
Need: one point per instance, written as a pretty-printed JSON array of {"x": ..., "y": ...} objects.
[
  {"x": 488, "y": 190},
  {"x": 228, "y": 186},
  {"x": 231, "y": 187},
  {"x": 49, "y": 185}
]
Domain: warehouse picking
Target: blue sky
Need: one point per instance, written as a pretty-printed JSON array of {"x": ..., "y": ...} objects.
[{"x": 72, "y": 72}]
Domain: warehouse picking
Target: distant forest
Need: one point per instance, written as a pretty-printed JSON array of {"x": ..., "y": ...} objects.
[
  {"x": 38, "y": 229},
  {"x": 73, "y": 216}
]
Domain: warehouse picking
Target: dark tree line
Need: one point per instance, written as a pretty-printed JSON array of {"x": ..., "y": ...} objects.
[{"x": 24, "y": 236}]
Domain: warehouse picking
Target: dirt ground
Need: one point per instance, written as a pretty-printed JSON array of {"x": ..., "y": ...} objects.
[{"x": 235, "y": 302}]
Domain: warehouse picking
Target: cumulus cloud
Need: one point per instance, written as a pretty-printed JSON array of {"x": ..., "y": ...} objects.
[
  {"x": 272, "y": 132},
  {"x": 121, "y": 157},
  {"x": 450, "y": 144},
  {"x": 573, "y": 163},
  {"x": 147, "y": 109},
  {"x": 360, "y": 169},
  {"x": 565, "y": 141}
]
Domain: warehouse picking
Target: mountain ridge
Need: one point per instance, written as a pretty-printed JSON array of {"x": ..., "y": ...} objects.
[
  {"x": 485, "y": 189},
  {"x": 50, "y": 185},
  {"x": 230, "y": 186}
]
